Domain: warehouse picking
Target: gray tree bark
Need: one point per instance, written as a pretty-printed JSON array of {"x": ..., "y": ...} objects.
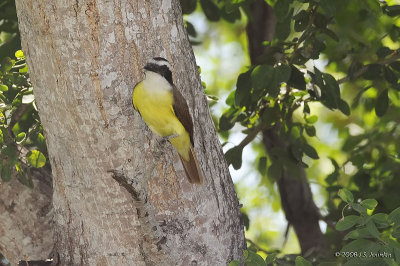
[
  {"x": 120, "y": 197},
  {"x": 26, "y": 218}
]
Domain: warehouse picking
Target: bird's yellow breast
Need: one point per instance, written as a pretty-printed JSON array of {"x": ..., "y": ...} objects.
[{"x": 156, "y": 108}]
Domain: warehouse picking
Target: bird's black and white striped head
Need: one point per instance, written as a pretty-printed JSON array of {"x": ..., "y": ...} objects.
[{"x": 160, "y": 66}]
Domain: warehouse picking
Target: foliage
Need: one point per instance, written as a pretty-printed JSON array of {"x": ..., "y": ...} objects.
[
  {"x": 374, "y": 236},
  {"x": 9, "y": 34},
  {"x": 21, "y": 136},
  {"x": 343, "y": 55}
]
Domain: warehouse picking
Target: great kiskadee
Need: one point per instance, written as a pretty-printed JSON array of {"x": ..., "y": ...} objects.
[{"x": 165, "y": 111}]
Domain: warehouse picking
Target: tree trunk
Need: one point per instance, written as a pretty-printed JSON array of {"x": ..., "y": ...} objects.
[
  {"x": 296, "y": 197},
  {"x": 26, "y": 218},
  {"x": 120, "y": 197}
]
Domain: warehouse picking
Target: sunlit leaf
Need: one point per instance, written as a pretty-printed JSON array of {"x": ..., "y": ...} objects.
[
  {"x": 19, "y": 54},
  {"x": 3, "y": 87},
  {"x": 36, "y": 158}
]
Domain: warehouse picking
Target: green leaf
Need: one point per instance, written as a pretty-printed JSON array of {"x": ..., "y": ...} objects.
[
  {"x": 358, "y": 207},
  {"x": 36, "y": 158},
  {"x": 253, "y": 259},
  {"x": 19, "y": 54},
  {"x": 382, "y": 103},
  {"x": 281, "y": 9},
  {"x": 332, "y": 177},
  {"x": 6, "y": 64},
  {"x": 243, "y": 89},
  {"x": 210, "y": 10},
  {"x": 228, "y": 119},
  {"x": 381, "y": 220},
  {"x": 312, "y": 119},
  {"x": 271, "y": 114},
  {"x": 20, "y": 137},
  {"x": 346, "y": 195},
  {"x": 24, "y": 69},
  {"x": 297, "y": 79},
  {"x": 301, "y": 21},
  {"x": 270, "y": 258},
  {"x": 246, "y": 220},
  {"x": 262, "y": 76},
  {"x": 5, "y": 173},
  {"x": 282, "y": 73},
  {"x": 282, "y": 29},
  {"x": 190, "y": 29},
  {"x": 395, "y": 65},
  {"x": 188, "y": 6},
  {"x": 332, "y": 90},
  {"x": 383, "y": 52},
  {"x": 3, "y": 87},
  {"x": 310, "y": 130},
  {"x": 234, "y": 263},
  {"x": 373, "y": 72},
  {"x": 300, "y": 261},
  {"x": 310, "y": 151},
  {"x": 320, "y": 21},
  {"x": 389, "y": 75},
  {"x": 262, "y": 165},
  {"x": 369, "y": 203},
  {"x": 234, "y": 157},
  {"x": 371, "y": 227},
  {"x": 347, "y": 222},
  {"x": 392, "y": 11},
  {"x": 328, "y": 6},
  {"x": 358, "y": 233},
  {"x": 344, "y": 107},
  {"x": 396, "y": 232},
  {"x": 394, "y": 216}
]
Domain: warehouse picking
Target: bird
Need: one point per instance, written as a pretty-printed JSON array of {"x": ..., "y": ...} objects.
[{"x": 164, "y": 109}]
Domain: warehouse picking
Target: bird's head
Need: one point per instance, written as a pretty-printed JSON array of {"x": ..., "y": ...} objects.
[{"x": 160, "y": 66}]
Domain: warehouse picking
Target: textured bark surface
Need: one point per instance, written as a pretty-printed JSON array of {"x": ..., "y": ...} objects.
[
  {"x": 26, "y": 218},
  {"x": 296, "y": 196},
  {"x": 120, "y": 197}
]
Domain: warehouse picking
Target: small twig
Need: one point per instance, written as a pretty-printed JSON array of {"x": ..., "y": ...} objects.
[
  {"x": 249, "y": 138},
  {"x": 358, "y": 73}
]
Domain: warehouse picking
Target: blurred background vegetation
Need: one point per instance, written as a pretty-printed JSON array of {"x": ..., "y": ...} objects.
[{"x": 306, "y": 98}]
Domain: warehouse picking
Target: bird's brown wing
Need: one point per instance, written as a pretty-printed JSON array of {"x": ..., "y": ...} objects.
[{"x": 182, "y": 112}]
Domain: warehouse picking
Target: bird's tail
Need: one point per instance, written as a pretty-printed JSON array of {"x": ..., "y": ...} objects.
[{"x": 192, "y": 168}]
